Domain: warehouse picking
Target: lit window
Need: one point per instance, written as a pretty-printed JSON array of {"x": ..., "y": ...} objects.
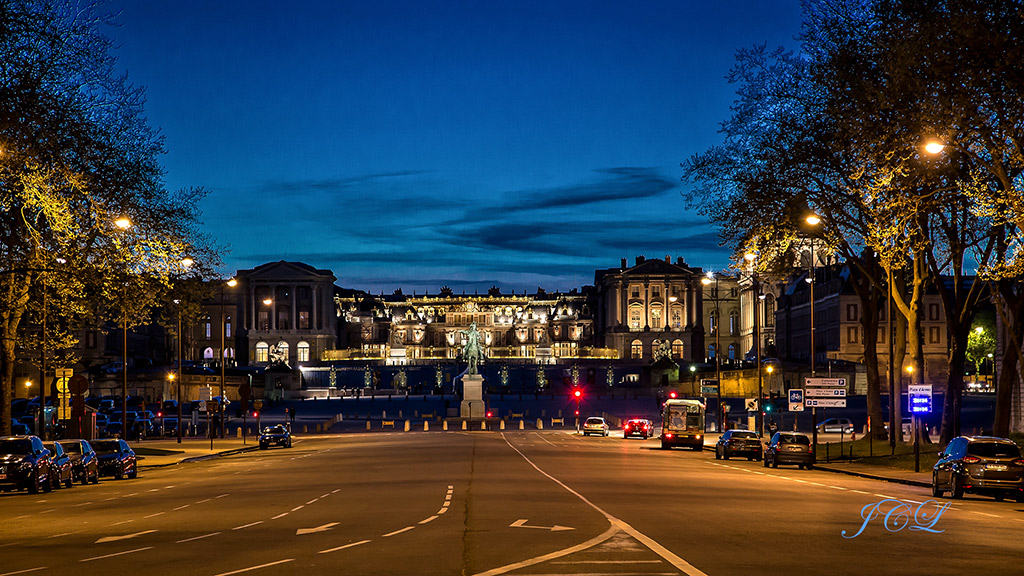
[
  {"x": 636, "y": 349},
  {"x": 302, "y": 350},
  {"x": 262, "y": 352},
  {"x": 656, "y": 318},
  {"x": 677, "y": 349},
  {"x": 635, "y": 315}
]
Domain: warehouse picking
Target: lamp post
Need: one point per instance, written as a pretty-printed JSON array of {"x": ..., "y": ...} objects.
[
  {"x": 706, "y": 280},
  {"x": 223, "y": 356},
  {"x": 759, "y": 419},
  {"x": 813, "y": 220},
  {"x": 124, "y": 223}
]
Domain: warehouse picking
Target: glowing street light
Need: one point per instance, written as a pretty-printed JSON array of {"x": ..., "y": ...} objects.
[
  {"x": 123, "y": 223},
  {"x": 934, "y": 147}
]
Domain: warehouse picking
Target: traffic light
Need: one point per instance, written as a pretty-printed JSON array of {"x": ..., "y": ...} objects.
[
  {"x": 255, "y": 414},
  {"x": 673, "y": 394},
  {"x": 577, "y": 394}
]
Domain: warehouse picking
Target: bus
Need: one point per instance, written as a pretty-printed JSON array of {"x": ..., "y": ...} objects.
[{"x": 682, "y": 424}]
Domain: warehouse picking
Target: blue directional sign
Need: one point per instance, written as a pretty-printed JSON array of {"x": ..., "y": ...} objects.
[{"x": 920, "y": 399}]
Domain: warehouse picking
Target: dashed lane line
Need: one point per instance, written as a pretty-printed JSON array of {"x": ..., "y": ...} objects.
[
  {"x": 248, "y": 525},
  {"x": 25, "y": 571},
  {"x": 281, "y": 515},
  {"x": 390, "y": 534},
  {"x": 339, "y": 547}
]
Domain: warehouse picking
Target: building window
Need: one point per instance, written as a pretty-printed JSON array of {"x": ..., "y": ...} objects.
[
  {"x": 677, "y": 349},
  {"x": 656, "y": 291},
  {"x": 227, "y": 327},
  {"x": 634, "y": 291},
  {"x": 851, "y": 312},
  {"x": 734, "y": 323},
  {"x": 711, "y": 352},
  {"x": 851, "y": 334},
  {"x": 263, "y": 321},
  {"x": 302, "y": 351},
  {"x": 654, "y": 348},
  {"x": 732, "y": 351},
  {"x": 933, "y": 311},
  {"x": 262, "y": 352},
  {"x": 229, "y": 353},
  {"x": 677, "y": 317},
  {"x": 656, "y": 317},
  {"x": 208, "y": 354},
  {"x": 934, "y": 335},
  {"x": 303, "y": 320},
  {"x": 636, "y": 350},
  {"x": 635, "y": 315},
  {"x": 207, "y": 328},
  {"x": 769, "y": 310},
  {"x": 282, "y": 349},
  {"x": 712, "y": 321},
  {"x": 90, "y": 339}
]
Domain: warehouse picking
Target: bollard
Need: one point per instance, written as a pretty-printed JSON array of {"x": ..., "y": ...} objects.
[
  {"x": 426, "y": 426},
  {"x": 238, "y": 432},
  {"x": 383, "y": 414},
  {"x": 399, "y": 413},
  {"x": 367, "y": 424},
  {"x": 444, "y": 425},
  {"x": 483, "y": 425},
  {"x": 521, "y": 425},
  {"x": 464, "y": 425},
  {"x": 406, "y": 425},
  {"x": 559, "y": 413},
  {"x": 540, "y": 424},
  {"x": 304, "y": 429},
  {"x": 502, "y": 425}
]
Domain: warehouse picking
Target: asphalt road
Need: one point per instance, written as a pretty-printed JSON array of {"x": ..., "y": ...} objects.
[{"x": 518, "y": 502}]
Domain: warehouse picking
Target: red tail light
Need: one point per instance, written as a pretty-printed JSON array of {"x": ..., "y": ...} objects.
[
  {"x": 668, "y": 435},
  {"x": 1019, "y": 462},
  {"x": 971, "y": 459}
]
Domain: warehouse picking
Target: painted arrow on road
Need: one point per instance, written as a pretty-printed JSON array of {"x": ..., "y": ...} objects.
[
  {"x": 521, "y": 523},
  {"x": 323, "y": 528},
  {"x": 125, "y": 537}
]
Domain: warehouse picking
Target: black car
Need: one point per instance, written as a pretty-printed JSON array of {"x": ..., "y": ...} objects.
[
  {"x": 84, "y": 462},
  {"x": 24, "y": 463},
  {"x": 637, "y": 427},
  {"x": 980, "y": 465},
  {"x": 789, "y": 448},
  {"x": 738, "y": 443},
  {"x": 275, "y": 436},
  {"x": 116, "y": 458},
  {"x": 61, "y": 467}
]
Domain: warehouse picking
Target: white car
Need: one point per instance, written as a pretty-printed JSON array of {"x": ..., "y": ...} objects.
[
  {"x": 837, "y": 425},
  {"x": 595, "y": 425}
]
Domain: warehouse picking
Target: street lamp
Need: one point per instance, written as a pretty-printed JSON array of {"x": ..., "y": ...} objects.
[
  {"x": 813, "y": 220},
  {"x": 124, "y": 223},
  {"x": 934, "y": 147},
  {"x": 706, "y": 280},
  {"x": 231, "y": 283},
  {"x": 757, "y": 297}
]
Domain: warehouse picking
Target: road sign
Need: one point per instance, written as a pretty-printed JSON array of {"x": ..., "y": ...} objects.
[
  {"x": 78, "y": 385},
  {"x": 709, "y": 390},
  {"x": 796, "y": 400},
  {"x": 826, "y": 392},
  {"x": 202, "y": 405},
  {"x": 812, "y": 382},
  {"x": 825, "y": 402},
  {"x": 919, "y": 398},
  {"x": 751, "y": 404},
  {"x": 63, "y": 375}
]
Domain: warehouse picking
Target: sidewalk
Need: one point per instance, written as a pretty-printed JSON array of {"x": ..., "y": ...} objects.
[{"x": 155, "y": 453}]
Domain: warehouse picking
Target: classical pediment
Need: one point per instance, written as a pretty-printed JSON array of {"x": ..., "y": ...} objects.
[{"x": 282, "y": 271}]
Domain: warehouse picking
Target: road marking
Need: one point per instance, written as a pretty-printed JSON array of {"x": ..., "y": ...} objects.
[
  {"x": 543, "y": 438},
  {"x": 521, "y": 523},
  {"x": 338, "y": 490},
  {"x": 248, "y": 525},
  {"x": 10, "y": 544},
  {"x": 123, "y": 537},
  {"x": 122, "y": 522},
  {"x": 256, "y": 567},
  {"x": 324, "y": 495},
  {"x": 340, "y": 547},
  {"x": 223, "y": 495},
  {"x": 117, "y": 554},
  {"x": 168, "y": 487},
  {"x": 838, "y": 488},
  {"x": 197, "y": 537},
  {"x": 129, "y": 495},
  {"x": 616, "y": 525},
  {"x": 182, "y": 507},
  {"x": 62, "y": 534},
  {"x": 608, "y": 562},
  {"x": 986, "y": 514},
  {"x": 281, "y": 515},
  {"x": 406, "y": 529},
  {"x": 154, "y": 489},
  {"x": 297, "y": 508},
  {"x": 448, "y": 496},
  {"x": 434, "y": 517},
  {"x": 23, "y": 571},
  {"x": 204, "y": 501},
  {"x": 884, "y": 496},
  {"x": 311, "y": 501},
  {"x": 321, "y": 528},
  {"x": 442, "y": 510},
  {"x": 859, "y": 491},
  {"x": 814, "y": 483},
  {"x": 48, "y": 511},
  {"x": 82, "y": 504},
  {"x": 154, "y": 515}
]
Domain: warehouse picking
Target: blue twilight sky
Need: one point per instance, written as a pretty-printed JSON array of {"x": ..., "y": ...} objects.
[{"x": 418, "y": 144}]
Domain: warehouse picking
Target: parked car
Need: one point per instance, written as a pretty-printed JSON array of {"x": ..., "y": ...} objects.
[
  {"x": 836, "y": 425},
  {"x": 169, "y": 407},
  {"x": 116, "y": 458},
  {"x": 980, "y": 465},
  {"x": 637, "y": 427},
  {"x": 595, "y": 425},
  {"x": 789, "y": 448},
  {"x": 61, "y": 466},
  {"x": 738, "y": 443},
  {"x": 275, "y": 436},
  {"x": 24, "y": 463},
  {"x": 84, "y": 462},
  {"x": 170, "y": 426},
  {"x": 20, "y": 429}
]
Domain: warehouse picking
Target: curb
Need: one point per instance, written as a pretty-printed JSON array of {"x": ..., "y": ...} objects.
[
  {"x": 907, "y": 482},
  {"x": 200, "y": 458}
]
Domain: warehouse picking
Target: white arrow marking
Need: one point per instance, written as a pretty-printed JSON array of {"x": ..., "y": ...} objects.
[
  {"x": 521, "y": 523},
  {"x": 125, "y": 537},
  {"x": 323, "y": 528}
]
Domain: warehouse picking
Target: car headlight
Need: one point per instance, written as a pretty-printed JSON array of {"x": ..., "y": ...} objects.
[{"x": 25, "y": 465}]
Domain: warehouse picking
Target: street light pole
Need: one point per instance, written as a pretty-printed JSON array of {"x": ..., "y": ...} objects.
[
  {"x": 124, "y": 223},
  {"x": 178, "y": 302},
  {"x": 223, "y": 356},
  {"x": 722, "y": 424}
]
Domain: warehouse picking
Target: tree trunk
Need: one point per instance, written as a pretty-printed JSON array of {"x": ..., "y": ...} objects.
[
  {"x": 1010, "y": 307},
  {"x": 869, "y": 300}
]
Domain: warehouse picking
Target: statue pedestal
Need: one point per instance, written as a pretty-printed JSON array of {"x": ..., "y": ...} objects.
[{"x": 472, "y": 396}]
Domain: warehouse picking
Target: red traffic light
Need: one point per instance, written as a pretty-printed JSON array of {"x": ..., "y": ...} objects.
[
  {"x": 159, "y": 414},
  {"x": 577, "y": 393},
  {"x": 490, "y": 414},
  {"x": 577, "y": 412},
  {"x": 255, "y": 414},
  {"x": 672, "y": 394}
]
